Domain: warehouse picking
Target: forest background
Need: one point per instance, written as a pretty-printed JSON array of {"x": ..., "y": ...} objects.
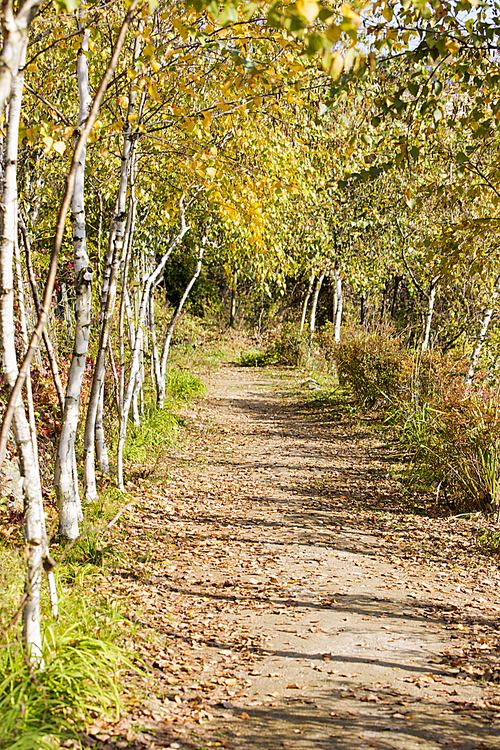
[{"x": 325, "y": 175}]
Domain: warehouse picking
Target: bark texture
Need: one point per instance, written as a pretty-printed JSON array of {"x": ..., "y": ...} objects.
[{"x": 65, "y": 477}]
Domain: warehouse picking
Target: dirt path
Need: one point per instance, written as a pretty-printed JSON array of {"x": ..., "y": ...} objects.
[{"x": 291, "y": 599}]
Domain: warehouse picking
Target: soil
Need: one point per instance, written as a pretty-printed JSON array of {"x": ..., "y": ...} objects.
[{"x": 286, "y": 594}]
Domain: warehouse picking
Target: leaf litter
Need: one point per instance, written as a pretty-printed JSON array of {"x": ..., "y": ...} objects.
[{"x": 264, "y": 493}]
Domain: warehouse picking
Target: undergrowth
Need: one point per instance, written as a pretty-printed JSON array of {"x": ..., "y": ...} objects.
[
  {"x": 448, "y": 432},
  {"x": 289, "y": 349},
  {"x": 46, "y": 702},
  {"x": 159, "y": 427}
]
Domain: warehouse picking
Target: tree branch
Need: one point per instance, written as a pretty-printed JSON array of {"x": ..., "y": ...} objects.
[{"x": 59, "y": 233}]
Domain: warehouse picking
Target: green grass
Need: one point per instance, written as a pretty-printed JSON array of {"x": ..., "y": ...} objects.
[
  {"x": 45, "y": 703},
  {"x": 159, "y": 427}
]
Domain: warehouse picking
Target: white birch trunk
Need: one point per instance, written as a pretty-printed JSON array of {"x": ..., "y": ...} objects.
[
  {"x": 14, "y": 36},
  {"x": 100, "y": 437},
  {"x": 108, "y": 299},
  {"x": 430, "y": 313},
  {"x": 25, "y": 340},
  {"x": 149, "y": 284},
  {"x": 54, "y": 367},
  {"x": 155, "y": 356},
  {"x": 232, "y": 310},
  {"x": 31, "y": 410},
  {"x": 485, "y": 324},
  {"x": 34, "y": 518},
  {"x": 314, "y": 307},
  {"x": 65, "y": 476},
  {"x": 339, "y": 304},
  {"x": 125, "y": 306},
  {"x": 306, "y": 302}
]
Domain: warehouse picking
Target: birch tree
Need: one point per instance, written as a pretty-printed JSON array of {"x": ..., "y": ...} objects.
[
  {"x": 34, "y": 518},
  {"x": 126, "y": 394},
  {"x": 108, "y": 294},
  {"x": 65, "y": 477},
  {"x": 485, "y": 324},
  {"x": 338, "y": 302}
]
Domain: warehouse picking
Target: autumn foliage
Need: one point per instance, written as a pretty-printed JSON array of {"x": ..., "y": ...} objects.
[{"x": 448, "y": 431}]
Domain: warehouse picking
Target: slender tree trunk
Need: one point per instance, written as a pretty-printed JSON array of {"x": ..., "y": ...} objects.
[
  {"x": 339, "y": 303},
  {"x": 384, "y": 295},
  {"x": 14, "y": 36},
  {"x": 31, "y": 412},
  {"x": 108, "y": 299},
  {"x": 362, "y": 312},
  {"x": 54, "y": 367},
  {"x": 306, "y": 302},
  {"x": 173, "y": 323},
  {"x": 124, "y": 298},
  {"x": 149, "y": 285},
  {"x": 155, "y": 355},
  {"x": 430, "y": 312},
  {"x": 25, "y": 340},
  {"x": 232, "y": 309},
  {"x": 100, "y": 437},
  {"x": 485, "y": 324},
  {"x": 34, "y": 518},
  {"x": 314, "y": 307},
  {"x": 65, "y": 477}
]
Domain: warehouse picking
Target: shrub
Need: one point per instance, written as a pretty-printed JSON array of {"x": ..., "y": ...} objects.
[
  {"x": 451, "y": 436},
  {"x": 369, "y": 364},
  {"x": 448, "y": 432},
  {"x": 289, "y": 349},
  {"x": 257, "y": 359}
]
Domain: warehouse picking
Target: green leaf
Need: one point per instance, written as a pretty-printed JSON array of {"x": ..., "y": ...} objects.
[
  {"x": 68, "y": 5},
  {"x": 228, "y": 15}
]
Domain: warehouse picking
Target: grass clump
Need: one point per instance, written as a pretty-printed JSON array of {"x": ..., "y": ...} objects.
[
  {"x": 159, "y": 427},
  {"x": 43, "y": 704},
  {"x": 181, "y": 386}
]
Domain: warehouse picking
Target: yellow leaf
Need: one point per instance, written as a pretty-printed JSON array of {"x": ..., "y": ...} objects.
[
  {"x": 351, "y": 14},
  {"x": 337, "y": 65},
  {"x": 155, "y": 66},
  {"x": 212, "y": 172},
  {"x": 350, "y": 56},
  {"x": 452, "y": 46},
  {"x": 308, "y": 8},
  {"x": 60, "y": 147},
  {"x": 333, "y": 33}
]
